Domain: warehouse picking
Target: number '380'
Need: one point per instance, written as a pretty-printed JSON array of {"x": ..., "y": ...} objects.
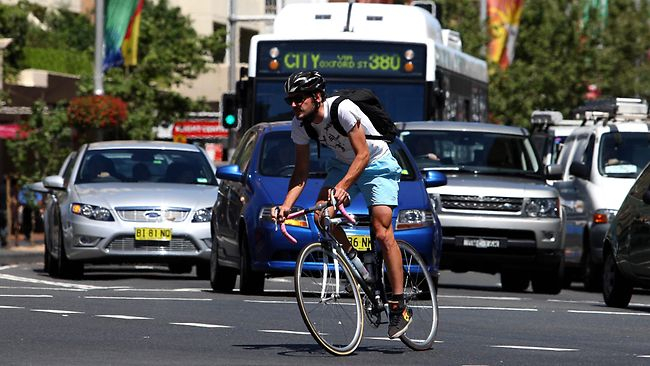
[{"x": 384, "y": 62}]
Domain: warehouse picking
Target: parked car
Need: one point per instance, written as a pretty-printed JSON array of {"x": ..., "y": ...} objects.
[
  {"x": 498, "y": 215},
  {"x": 597, "y": 166},
  {"x": 130, "y": 201},
  {"x": 626, "y": 248},
  {"x": 246, "y": 240}
]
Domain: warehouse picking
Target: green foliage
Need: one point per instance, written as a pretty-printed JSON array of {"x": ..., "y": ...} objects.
[
  {"x": 464, "y": 16},
  {"x": 13, "y": 24},
  {"x": 58, "y": 60},
  {"x": 47, "y": 144}
]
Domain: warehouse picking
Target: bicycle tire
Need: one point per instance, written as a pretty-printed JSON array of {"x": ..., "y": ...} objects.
[
  {"x": 419, "y": 295},
  {"x": 336, "y": 323}
]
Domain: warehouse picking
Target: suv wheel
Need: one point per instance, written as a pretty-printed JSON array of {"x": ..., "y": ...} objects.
[
  {"x": 222, "y": 279},
  {"x": 514, "y": 281},
  {"x": 592, "y": 274},
  {"x": 549, "y": 282},
  {"x": 617, "y": 290}
]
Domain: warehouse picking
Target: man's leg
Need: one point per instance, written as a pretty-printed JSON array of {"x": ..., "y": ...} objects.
[{"x": 382, "y": 217}]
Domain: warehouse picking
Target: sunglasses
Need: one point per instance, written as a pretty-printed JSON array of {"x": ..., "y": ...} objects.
[{"x": 298, "y": 99}]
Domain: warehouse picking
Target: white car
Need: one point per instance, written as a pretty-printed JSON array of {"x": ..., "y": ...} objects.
[{"x": 131, "y": 201}]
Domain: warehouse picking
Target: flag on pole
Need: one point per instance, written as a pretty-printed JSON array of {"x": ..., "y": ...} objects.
[
  {"x": 504, "y": 17},
  {"x": 130, "y": 44},
  {"x": 118, "y": 16}
]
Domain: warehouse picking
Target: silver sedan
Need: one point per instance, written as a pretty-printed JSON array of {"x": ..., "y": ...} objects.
[{"x": 131, "y": 202}]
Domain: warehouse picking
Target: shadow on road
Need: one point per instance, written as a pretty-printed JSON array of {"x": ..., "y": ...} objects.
[{"x": 314, "y": 350}]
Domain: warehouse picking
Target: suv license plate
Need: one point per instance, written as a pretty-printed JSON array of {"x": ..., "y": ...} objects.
[
  {"x": 147, "y": 233},
  {"x": 360, "y": 242},
  {"x": 481, "y": 243}
]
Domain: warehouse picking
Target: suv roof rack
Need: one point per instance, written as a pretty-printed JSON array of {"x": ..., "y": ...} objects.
[
  {"x": 616, "y": 109},
  {"x": 542, "y": 119}
]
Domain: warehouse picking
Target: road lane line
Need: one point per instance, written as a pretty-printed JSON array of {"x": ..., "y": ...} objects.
[
  {"x": 6, "y": 295},
  {"x": 53, "y": 311},
  {"x": 145, "y": 298},
  {"x": 51, "y": 283},
  {"x": 532, "y": 348},
  {"x": 11, "y": 307},
  {"x": 125, "y": 317},
  {"x": 164, "y": 289},
  {"x": 499, "y": 298},
  {"x": 203, "y": 325},
  {"x": 643, "y": 356},
  {"x": 577, "y": 301},
  {"x": 41, "y": 288},
  {"x": 486, "y": 308},
  {"x": 270, "y": 301},
  {"x": 396, "y": 339},
  {"x": 282, "y": 331},
  {"x": 606, "y": 312},
  {"x": 2, "y": 268}
]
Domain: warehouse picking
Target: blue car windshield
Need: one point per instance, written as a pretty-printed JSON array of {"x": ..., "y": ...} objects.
[
  {"x": 145, "y": 165},
  {"x": 278, "y": 157}
]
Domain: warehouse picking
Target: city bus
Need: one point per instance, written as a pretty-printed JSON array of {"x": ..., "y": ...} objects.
[{"x": 416, "y": 68}]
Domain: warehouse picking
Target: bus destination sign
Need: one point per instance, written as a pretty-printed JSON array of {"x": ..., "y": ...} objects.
[{"x": 344, "y": 59}]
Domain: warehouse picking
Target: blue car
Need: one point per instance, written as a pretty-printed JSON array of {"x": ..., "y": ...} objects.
[{"x": 245, "y": 240}]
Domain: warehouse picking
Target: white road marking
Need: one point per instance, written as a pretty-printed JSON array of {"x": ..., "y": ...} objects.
[
  {"x": 270, "y": 301},
  {"x": 162, "y": 289},
  {"x": 11, "y": 307},
  {"x": 394, "y": 339},
  {"x": 606, "y": 312},
  {"x": 282, "y": 331},
  {"x": 125, "y": 317},
  {"x": 145, "y": 298},
  {"x": 486, "y": 308},
  {"x": 202, "y": 325},
  {"x": 41, "y": 288},
  {"x": 498, "y": 298},
  {"x": 53, "y": 311},
  {"x": 281, "y": 280},
  {"x": 51, "y": 283},
  {"x": 2, "y": 268},
  {"x": 643, "y": 356},
  {"x": 531, "y": 348},
  {"x": 577, "y": 301},
  {"x": 5, "y": 295}
]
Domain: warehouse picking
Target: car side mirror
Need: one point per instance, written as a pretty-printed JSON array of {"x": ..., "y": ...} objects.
[
  {"x": 38, "y": 187},
  {"x": 580, "y": 170},
  {"x": 230, "y": 172},
  {"x": 54, "y": 182},
  {"x": 646, "y": 197},
  {"x": 553, "y": 172},
  {"x": 434, "y": 178}
]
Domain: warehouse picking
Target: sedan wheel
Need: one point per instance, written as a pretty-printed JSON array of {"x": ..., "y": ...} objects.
[
  {"x": 222, "y": 279},
  {"x": 617, "y": 290},
  {"x": 250, "y": 282}
]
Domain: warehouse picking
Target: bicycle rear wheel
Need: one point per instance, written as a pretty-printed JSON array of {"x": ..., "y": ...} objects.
[
  {"x": 419, "y": 296},
  {"x": 329, "y": 299}
]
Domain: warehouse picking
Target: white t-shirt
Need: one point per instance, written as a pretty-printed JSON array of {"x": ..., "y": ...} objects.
[{"x": 349, "y": 114}]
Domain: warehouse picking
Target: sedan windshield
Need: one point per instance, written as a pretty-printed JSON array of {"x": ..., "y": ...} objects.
[
  {"x": 145, "y": 165},
  {"x": 623, "y": 154},
  {"x": 278, "y": 157},
  {"x": 480, "y": 152}
]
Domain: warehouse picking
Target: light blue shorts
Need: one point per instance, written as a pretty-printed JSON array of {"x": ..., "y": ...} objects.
[{"x": 379, "y": 182}]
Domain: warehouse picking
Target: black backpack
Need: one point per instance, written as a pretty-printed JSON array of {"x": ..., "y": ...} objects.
[{"x": 369, "y": 105}]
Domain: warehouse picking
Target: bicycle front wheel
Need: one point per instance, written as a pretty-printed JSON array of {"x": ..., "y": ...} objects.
[
  {"x": 329, "y": 299},
  {"x": 419, "y": 296}
]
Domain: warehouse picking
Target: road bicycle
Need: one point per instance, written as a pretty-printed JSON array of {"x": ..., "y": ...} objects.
[{"x": 334, "y": 298}]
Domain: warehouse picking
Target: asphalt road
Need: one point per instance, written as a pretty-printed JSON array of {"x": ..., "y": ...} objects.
[{"x": 147, "y": 316}]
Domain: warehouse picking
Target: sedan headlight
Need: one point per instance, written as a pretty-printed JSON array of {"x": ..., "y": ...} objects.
[
  {"x": 265, "y": 215},
  {"x": 603, "y": 216},
  {"x": 542, "y": 207},
  {"x": 91, "y": 212},
  {"x": 202, "y": 215},
  {"x": 411, "y": 219}
]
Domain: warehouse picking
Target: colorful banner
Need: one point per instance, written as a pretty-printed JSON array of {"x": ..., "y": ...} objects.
[
  {"x": 118, "y": 16},
  {"x": 130, "y": 44},
  {"x": 504, "y": 17}
]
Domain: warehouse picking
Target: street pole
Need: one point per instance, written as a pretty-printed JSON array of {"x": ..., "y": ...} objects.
[{"x": 99, "y": 47}]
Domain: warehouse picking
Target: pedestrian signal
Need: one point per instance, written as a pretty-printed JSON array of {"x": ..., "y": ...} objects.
[{"x": 229, "y": 110}]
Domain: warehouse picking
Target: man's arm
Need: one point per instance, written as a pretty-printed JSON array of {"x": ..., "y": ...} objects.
[
  {"x": 357, "y": 138},
  {"x": 298, "y": 178}
]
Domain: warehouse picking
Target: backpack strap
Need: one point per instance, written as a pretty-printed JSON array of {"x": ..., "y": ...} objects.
[
  {"x": 311, "y": 132},
  {"x": 334, "y": 117}
]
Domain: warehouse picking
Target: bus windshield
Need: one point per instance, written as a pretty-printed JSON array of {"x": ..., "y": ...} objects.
[{"x": 403, "y": 101}]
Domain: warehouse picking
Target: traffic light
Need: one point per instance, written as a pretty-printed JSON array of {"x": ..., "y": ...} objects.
[{"x": 229, "y": 110}]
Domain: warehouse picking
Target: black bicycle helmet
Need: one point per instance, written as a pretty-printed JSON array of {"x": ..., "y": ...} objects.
[{"x": 304, "y": 82}]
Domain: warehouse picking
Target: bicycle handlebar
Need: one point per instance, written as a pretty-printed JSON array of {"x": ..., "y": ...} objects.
[{"x": 292, "y": 215}]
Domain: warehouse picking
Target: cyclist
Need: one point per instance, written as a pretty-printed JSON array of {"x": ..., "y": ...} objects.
[{"x": 361, "y": 165}]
